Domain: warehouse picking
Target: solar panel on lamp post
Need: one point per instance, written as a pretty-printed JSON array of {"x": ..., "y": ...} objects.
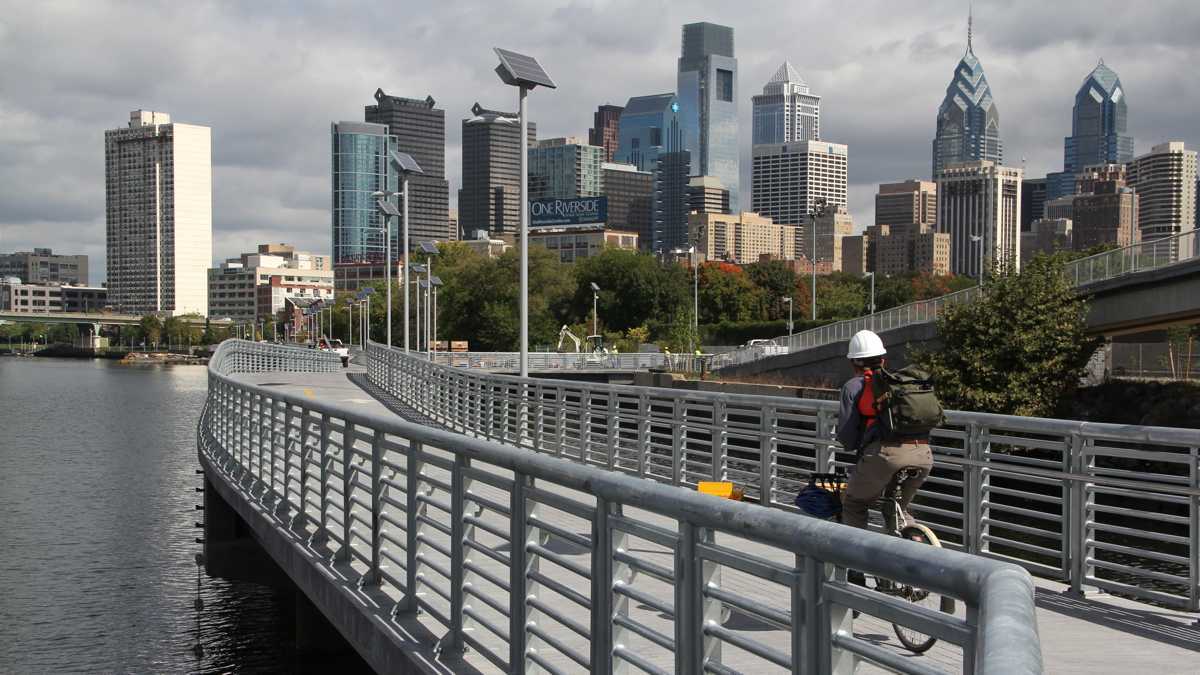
[
  {"x": 525, "y": 73},
  {"x": 407, "y": 166}
]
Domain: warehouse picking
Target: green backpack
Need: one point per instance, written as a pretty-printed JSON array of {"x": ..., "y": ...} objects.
[{"x": 907, "y": 405}]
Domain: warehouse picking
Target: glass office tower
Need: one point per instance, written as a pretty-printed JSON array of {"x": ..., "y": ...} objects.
[
  {"x": 968, "y": 122},
  {"x": 707, "y": 91},
  {"x": 360, "y": 167},
  {"x": 1098, "y": 125}
]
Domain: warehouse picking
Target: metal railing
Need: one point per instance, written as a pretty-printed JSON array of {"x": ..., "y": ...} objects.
[
  {"x": 257, "y": 357},
  {"x": 1094, "y": 505},
  {"x": 1140, "y": 257},
  {"x": 549, "y": 361},
  {"x": 538, "y": 563}
]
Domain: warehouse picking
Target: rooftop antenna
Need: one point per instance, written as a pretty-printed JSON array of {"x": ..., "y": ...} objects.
[{"x": 970, "y": 22}]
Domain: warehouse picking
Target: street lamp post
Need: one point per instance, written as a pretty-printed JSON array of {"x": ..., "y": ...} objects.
[
  {"x": 525, "y": 73},
  {"x": 406, "y": 166},
  {"x": 978, "y": 239},
  {"x": 871, "y": 307},
  {"x": 430, "y": 249},
  {"x": 435, "y": 282},
  {"x": 788, "y": 300},
  {"x": 418, "y": 269},
  {"x": 812, "y": 221},
  {"x": 595, "y": 305}
]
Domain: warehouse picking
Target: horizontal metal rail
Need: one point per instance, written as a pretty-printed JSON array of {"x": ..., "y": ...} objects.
[
  {"x": 1093, "y": 505},
  {"x": 574, "y": 550},
  {"x": 550, "y": 361},
  {"x": 1143, "y": 256}
]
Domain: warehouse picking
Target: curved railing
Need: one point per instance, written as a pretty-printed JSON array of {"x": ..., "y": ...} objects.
[
  {"x": 538, "y": 562},
  {"x": 1093, "y": 505},
  {"x": 1140, "y": 257}
]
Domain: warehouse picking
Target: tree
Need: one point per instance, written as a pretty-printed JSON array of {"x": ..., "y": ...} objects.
[
  {"x": 1020, "y": 349},
  {"x": 151, "y": 329},
  {"x": 776, "y": 280},
  {"x": 634, "y": 288},
  {"x": 726, "y": 294},
  {"x": 841, "y": 296}
]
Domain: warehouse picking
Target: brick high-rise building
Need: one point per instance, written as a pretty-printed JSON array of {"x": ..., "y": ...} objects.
[
  {"x": 606, "y": 125},
  {"x": 911, "y": 202}
]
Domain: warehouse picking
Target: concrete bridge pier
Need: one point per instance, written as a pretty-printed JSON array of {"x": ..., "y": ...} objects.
[{"x": 232, "y": 552}]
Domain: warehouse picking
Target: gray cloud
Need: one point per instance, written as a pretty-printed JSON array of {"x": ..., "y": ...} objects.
[{"x": 270, "y": 78}]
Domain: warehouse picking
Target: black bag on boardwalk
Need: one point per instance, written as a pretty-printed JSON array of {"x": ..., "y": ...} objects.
[{"x": 906, "y": 404}]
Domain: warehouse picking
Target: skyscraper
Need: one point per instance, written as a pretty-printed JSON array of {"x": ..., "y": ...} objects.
[
  {"x": 1098, "y": 126},
  {"x": 788, "y": 178},
  {"x": 707, "y": 90},
  {"x": 968, "y": 123},
  {"x": 606, "y": 123},
  {"x": 1033, "y": 201},
  {"x": 565, "y": 168},
  {"x": 1165, "y": 180},
  {"x": 158, "y": 214},
  {"x": 630, "y": 201},
  {"x": 705, "y": 194},
  {"x": 420, "y": 130},
  {"x": 361, "y": 166},
  {"x": 651, "y": 128},
  {"x": 786, "y": 111},
  {"x": 979, "y": 205},
  {"x": 911, "y": 202},
  {"x": 490, "y": 197}
]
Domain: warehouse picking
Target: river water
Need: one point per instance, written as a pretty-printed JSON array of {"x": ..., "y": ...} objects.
[{"x": 97, "y": 543}]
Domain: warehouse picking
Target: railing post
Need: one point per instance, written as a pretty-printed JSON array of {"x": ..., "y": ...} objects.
[
  {"x": 823, "y": 456},
  {"x": 693, "y": 609},
  {"x": 344, "y": 553},
  {"x": 677, "y": 440},
  {"x": 975, "y": 481},
  {"x": 614, "y": 431},
  {"x": 767, "y": 446},
  {"x": 822, "y": 620},
  {"x": 412, "y": 526},
  {"x": 322, "y": 534},
  {"x": 605, "y": 605},
  {"x": 521, "y": 564},
  {"x": 454, "y": 641},
  {"x": 1079, "y": 515},
  {"x": 1194, "y": 532},
  {"x": 642, "y": 444},
  {"x": 372, "y": 577}
]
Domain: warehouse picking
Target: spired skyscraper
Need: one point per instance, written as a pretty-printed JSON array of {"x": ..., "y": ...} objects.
[
  {"x": 1098, "y": 125},
  {"x": 786, "y": 111},
  {"x": 707, "y": 91},
  {"x": 968, "y": 123}
]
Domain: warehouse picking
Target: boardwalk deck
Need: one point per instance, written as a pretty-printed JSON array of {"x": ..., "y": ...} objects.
[{"x": 1094, "y": 635}]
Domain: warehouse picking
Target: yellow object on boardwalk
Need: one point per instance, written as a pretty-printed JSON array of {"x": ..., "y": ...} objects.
[{"x": 724, "y": 490}]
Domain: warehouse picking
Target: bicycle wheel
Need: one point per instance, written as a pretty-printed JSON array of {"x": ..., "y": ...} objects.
[{"x": 916, "y": 641}]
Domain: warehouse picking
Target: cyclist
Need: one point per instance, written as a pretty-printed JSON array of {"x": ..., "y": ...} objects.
[{"x": 858, "y": 429}]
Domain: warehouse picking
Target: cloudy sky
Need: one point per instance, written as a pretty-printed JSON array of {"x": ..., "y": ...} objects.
[{"x": 269, "y": 77}]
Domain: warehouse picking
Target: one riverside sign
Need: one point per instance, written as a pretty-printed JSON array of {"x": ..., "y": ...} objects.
[{"x": 580, "y": 211}]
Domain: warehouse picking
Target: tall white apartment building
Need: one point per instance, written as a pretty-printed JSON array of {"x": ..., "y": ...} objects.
[
  {"x": 789, "y": 178},
  {"x": 158, "y": 211},
  {"x": 1165, "y": 181},
  {"x": 979, "y": 205}
]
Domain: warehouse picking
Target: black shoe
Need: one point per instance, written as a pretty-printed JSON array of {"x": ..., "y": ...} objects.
[{"x": 857, "y": 578}]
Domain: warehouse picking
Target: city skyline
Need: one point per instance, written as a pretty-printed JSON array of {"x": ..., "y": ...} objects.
[{"x": 269, "y": 103}]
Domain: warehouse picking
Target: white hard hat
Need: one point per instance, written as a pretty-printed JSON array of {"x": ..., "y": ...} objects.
[{"x": 864, "y": 345}]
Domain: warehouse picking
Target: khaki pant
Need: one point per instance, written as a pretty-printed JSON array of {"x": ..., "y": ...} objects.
[{"x": 873, "y": 473}]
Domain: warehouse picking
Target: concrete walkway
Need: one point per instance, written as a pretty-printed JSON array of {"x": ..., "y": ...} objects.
[{"x": 1102, "y": 634}]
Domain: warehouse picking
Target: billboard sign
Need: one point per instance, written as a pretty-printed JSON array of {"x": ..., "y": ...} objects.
[{"x": 560, "y": 212}]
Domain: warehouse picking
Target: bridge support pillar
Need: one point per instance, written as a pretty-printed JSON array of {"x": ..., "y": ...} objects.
[
  {"x": 230, "y": 552},
  {"x": 314, "y": 634}
]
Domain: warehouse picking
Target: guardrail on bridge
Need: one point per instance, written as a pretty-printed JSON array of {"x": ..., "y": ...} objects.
[
  {"x": 1140, "y": 257},
  {"x": 1100, "y": 505},
  {"x": 485, "y": 539}
]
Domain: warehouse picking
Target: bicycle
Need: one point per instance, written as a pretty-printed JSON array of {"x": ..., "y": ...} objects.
[{"x": 894, "y": 524}]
